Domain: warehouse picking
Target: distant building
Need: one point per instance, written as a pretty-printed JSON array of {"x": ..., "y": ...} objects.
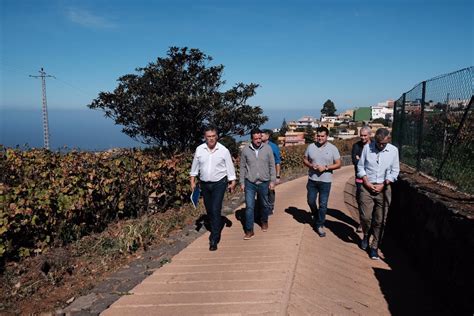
[
  {"x": 382, "y": 112},
  {"x": 303, "y": 122},
  {"x": 294, "y": 138},
  {"x": 363, "y": 114}
]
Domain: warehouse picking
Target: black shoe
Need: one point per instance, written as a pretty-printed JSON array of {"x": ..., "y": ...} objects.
[{"x": 212, "y": 247}]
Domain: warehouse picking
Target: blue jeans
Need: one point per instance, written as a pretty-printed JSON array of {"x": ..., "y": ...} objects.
[
  {"x": 322, "y": 188},
  {"x": 213, "y": 194},
  {"x": 250, "y": 190}
]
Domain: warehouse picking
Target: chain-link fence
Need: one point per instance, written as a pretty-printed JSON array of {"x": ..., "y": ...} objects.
[{"x": 433, "y": 128}]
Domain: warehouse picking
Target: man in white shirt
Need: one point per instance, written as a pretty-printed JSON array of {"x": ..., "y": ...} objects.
[
  {"x": 378, "y": 167},
  {"x": 213, "y": 164}
]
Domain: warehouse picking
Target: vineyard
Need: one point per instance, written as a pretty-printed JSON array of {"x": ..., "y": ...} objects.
[{"x": 50, "y": 199}]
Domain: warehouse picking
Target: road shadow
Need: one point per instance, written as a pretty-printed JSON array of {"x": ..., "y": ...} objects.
[
  {"x": 404, "y": 290},
  {"x": 203, "y": 221},
  {"x": 343, "y": 231},
  {"x": 301, "y": 216},
  {"x": 339, "y": 215},
  {"x": 240, "y": 216}
]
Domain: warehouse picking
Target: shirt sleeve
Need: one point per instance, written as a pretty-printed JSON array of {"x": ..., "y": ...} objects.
[
  {"x": 394, "y": 168},
  {"x": 277, "y": 156},
  {"x": 242, "y": 166},
  {"x": 336, "y": 154},
  {"x": 354, "y": 154},
  {"x": 361, "y": 164},
  {"x": 195, "y": 166},
  {"x": 229, "y": 164},
  {"x": 272, "y": 166}
]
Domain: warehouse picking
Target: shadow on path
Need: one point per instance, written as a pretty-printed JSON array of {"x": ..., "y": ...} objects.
[
  {"x": 301, "y": 216},
  {"x": 203, "y": 220},
  {"x": 404, "y": 290}
]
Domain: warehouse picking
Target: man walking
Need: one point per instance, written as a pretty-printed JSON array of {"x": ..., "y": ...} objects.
[
  {"x": 267, "y": 134},
  {"x": 257, "y": 175},
  {"x": 378, "y": 167},
  {"x": 321, "y": 158},
  {"x": 364, "y": 133},
  {"x": 213, "y": 163}
]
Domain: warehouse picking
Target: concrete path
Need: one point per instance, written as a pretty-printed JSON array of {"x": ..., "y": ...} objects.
[{"x": 288, "y": 270}]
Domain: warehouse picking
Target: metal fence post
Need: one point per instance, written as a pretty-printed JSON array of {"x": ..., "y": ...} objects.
[
  {"x": 420, "y": 126},
  {"x": 401, "y": 127}
]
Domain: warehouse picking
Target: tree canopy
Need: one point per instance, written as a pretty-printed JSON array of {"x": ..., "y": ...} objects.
[
  {"x": 329, "y": 109},
  {"x": 168, "y": 102}
]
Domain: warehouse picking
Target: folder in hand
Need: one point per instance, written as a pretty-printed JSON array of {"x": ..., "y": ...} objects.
[{"x": 195, "y": 196}]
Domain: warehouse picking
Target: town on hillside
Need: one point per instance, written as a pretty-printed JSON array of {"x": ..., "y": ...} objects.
[{"x": 345, "y": 125}]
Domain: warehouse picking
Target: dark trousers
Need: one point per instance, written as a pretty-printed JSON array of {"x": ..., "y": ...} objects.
[
  {"x": 318, "y": 189},
  {"x": 213, "y": 194}
]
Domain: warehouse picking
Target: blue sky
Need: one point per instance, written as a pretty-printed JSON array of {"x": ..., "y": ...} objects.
[{"x": 356, "y": 53}]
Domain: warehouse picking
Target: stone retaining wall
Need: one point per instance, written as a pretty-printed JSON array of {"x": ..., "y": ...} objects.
[{"x": 439, "y": 236}]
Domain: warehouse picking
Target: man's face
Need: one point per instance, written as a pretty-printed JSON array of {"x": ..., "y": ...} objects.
[
  {"x": 211, "y": 138},
  {"x": 257, "y": 139},
  {"x": 381, "y": 144},
  {"x": 364, "y": 136},
  {"x": 321, "y": 138},
  {"x": 265, "y": 137}
]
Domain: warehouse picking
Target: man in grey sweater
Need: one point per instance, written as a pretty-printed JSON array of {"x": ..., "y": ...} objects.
[{"x": 257, "y": 175}]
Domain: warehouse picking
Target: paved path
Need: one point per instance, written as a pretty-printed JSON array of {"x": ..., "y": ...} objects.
[{"x": 288, "y": 270}]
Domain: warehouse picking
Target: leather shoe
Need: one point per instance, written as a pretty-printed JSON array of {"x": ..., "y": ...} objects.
[
  {"x": 265, "y": 226},
  {"x": 212, "y": 247}
]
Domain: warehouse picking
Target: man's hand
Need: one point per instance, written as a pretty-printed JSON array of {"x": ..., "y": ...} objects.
[
  {"x": 277, "y": 181},
  {"x": 319, "y": 168},
  {"x": 271, "y": 185},
  {"x": 231, "y": 186},
  {"x": 378, "y": 187},
  {"x": 242, "y": 186}
]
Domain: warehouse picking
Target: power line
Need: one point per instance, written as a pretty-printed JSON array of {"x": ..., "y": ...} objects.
[{"x": 46, "y": 135}]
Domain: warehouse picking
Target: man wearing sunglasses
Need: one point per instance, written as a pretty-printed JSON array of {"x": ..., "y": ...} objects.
[{"x": 378, "y": 167}]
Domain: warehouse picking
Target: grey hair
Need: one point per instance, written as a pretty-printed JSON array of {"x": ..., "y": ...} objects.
[
  {"x": 367, "y": 129},
  {"x": 381, "y": 134}
]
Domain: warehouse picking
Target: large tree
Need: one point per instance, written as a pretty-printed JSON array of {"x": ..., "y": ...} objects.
[
  {"x": 329, "y": 109},
  {"x": 168, "y": 102}
]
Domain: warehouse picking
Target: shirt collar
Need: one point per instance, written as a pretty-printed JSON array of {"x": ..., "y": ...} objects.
[
  {"x": 209, "y": 150},
  {"x": 253, "y": 148}
]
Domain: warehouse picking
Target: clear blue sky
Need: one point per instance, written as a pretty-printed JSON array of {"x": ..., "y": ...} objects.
[{"x": 356, "y": 53}]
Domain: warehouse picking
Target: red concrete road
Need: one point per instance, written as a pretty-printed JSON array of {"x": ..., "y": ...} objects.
[{"x": 288, "y": 270}]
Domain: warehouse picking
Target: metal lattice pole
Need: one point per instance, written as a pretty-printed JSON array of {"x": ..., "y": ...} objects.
[{"x": 46, "y": 135}]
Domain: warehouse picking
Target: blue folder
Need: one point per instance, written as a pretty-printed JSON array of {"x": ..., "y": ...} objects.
[{"x": 195, "y": 196}]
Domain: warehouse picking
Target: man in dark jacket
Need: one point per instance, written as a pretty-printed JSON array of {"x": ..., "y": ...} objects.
[{"x": 364, "y": 133}]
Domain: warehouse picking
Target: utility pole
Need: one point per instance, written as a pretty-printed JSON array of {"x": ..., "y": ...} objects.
[{"x": 45, "y": 107}]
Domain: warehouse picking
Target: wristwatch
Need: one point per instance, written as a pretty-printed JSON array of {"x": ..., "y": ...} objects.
[{"x": 278, "y": 177}]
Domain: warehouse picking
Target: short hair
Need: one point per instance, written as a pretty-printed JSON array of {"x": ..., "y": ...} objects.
[
  {"x": 381, "y": 134},
  {"x": 366, "y": 128},
  {"x": 208, "y": 128},
  {"x": 255, "y": 131},
  {"x": 267, "y": 131},
  {"x": 322, "y": 129}
]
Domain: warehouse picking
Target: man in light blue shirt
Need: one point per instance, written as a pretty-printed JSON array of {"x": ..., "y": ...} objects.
[{"x": 378, "y": 167}]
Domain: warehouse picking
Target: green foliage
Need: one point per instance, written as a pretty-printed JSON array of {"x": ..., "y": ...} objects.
[
  {"x": 309, "y": 135},
  {"x": 169, "y": 101},
  {"x": 382, "y": 121},
  {"x": 329, "y": 109},
  {"x": 283, "y": 128}
]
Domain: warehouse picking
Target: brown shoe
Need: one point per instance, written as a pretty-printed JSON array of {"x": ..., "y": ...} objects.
[
  {"x": 248, "y": 235},
  {"x": 265, "y": 226}
]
